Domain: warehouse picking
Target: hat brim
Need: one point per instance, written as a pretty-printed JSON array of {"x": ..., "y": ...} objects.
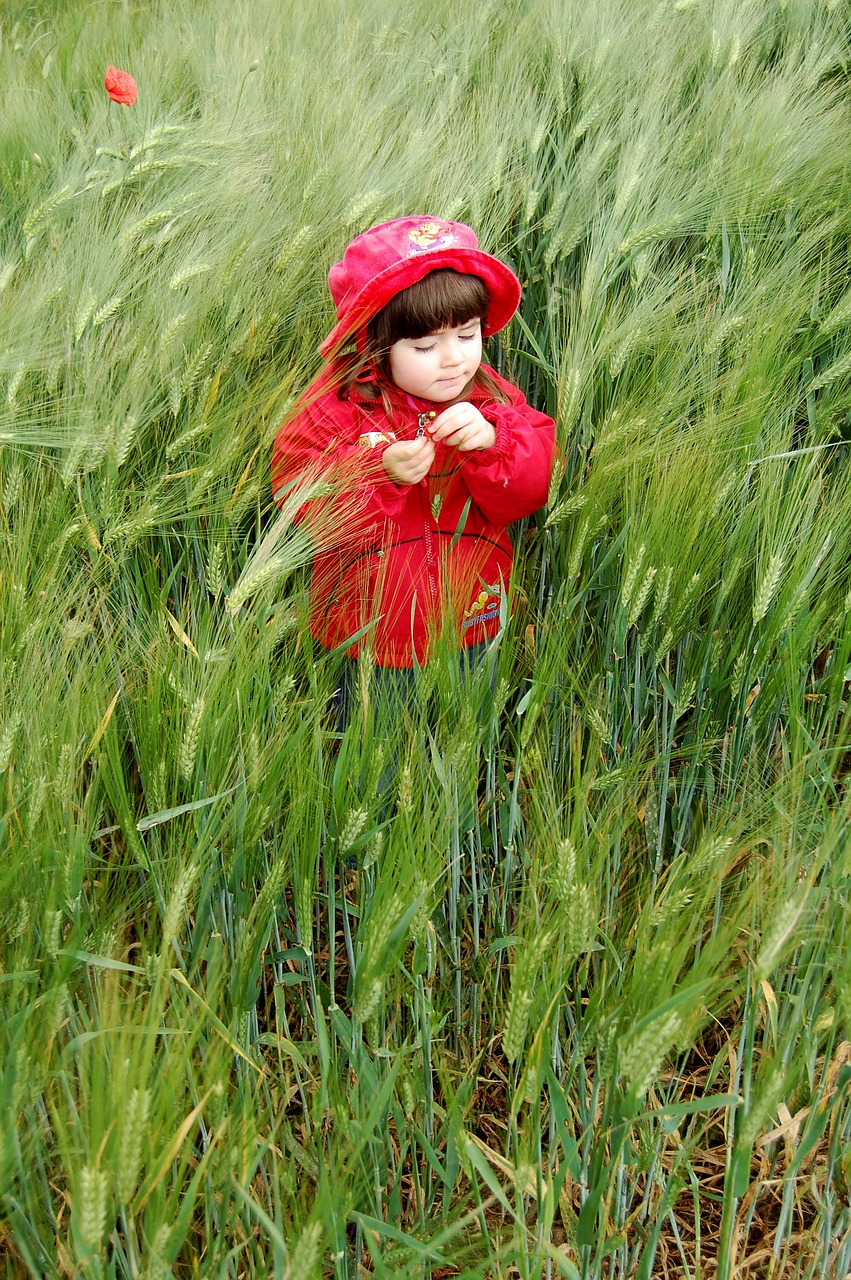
[{"x": 500, "y": 281}]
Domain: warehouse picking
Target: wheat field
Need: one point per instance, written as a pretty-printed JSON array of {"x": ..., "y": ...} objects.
[{"x": 570, "y": 994}]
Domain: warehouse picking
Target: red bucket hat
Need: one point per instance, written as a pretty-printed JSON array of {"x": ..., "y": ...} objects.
[{"x": 382, "y": 261}]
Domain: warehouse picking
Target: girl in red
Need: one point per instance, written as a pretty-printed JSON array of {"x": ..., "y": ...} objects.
[{"x": 431, "y": 454}]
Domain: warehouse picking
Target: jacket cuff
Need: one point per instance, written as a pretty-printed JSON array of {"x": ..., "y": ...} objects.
[
  {"x": 381, "y": 478},
  {"x": 387, "y": 494}
]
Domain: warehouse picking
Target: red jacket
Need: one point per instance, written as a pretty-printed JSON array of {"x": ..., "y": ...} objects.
[{"x": 393, "y": 573}]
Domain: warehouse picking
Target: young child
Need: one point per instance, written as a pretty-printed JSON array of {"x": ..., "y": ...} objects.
[{"x": 431, "y": 454}]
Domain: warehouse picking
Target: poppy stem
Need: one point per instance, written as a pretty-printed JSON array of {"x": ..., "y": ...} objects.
[{"x": 255, "y": 64}]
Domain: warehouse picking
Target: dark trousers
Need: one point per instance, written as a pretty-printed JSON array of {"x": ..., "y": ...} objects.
[{"x": 392, "y": 690}]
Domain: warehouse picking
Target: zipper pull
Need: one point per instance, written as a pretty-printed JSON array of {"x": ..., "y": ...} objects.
[{"x": 423, "y": 420}]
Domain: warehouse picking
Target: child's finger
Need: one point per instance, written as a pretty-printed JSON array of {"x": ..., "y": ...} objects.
[
  {"x": 443, "y": 423},
  {"x": 405, "y": 450},
  {"x": 407, "y": 461},
  {"x": 453, "y": 420},
  {"x": 421, "y": 451},
  {"x": 463, "y": 427}
]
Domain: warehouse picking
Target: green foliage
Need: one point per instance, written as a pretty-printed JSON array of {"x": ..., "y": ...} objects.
[{"x": 582, "y": 1006}]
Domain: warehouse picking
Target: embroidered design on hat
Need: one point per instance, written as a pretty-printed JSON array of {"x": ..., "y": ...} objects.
[{"x": 430, "y": 235}]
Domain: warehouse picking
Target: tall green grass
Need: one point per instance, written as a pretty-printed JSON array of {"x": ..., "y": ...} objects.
[{"x": 583, "y": 1007}]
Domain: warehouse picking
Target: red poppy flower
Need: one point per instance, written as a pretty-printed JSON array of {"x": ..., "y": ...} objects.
[{"x": 120, "y": 86}]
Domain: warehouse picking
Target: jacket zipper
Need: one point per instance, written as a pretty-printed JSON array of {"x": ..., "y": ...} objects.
[
  {"x": 423, "y": 419},
  {"x": 429, "y": 551}
]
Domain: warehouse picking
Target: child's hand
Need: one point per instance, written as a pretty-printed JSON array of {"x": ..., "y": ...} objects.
[
  {"x": 464, "y": 427},
  {"x": 408, "y": 461}
]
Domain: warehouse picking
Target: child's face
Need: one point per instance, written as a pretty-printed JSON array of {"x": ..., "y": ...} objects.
[{"x": 438, "y": 366}]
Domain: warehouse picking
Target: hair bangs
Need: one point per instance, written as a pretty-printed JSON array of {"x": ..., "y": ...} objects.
[{"x": 443, "y": 299}]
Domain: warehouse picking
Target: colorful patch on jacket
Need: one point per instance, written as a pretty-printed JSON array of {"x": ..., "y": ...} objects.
[
  {"x": 370, "y": 439},
  {"x": 483, "y": 609},
  {"x": 431, "y": 235}
]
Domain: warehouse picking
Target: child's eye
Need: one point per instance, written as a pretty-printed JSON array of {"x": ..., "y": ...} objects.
[{"x": 431, "y": 347}]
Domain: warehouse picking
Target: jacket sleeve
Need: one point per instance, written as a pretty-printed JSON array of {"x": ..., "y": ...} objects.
[
  {"x": 511, "y": 479},
  {"x": 321, "y": 442}
]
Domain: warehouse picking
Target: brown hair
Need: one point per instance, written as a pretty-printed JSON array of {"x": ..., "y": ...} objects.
[{"x": 443, "y": 299}]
